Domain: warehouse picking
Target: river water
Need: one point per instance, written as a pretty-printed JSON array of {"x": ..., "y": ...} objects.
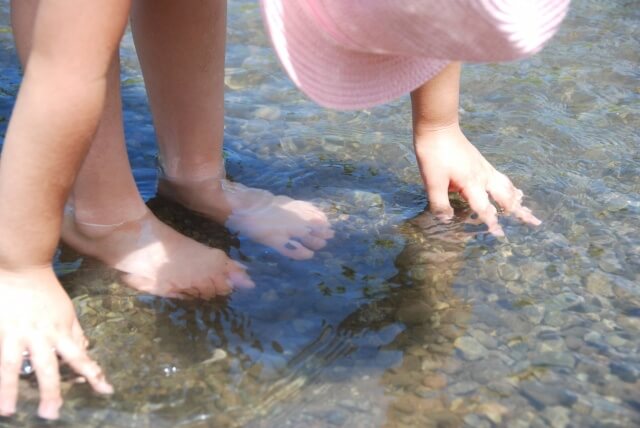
[{"x": 400, "y": 320}]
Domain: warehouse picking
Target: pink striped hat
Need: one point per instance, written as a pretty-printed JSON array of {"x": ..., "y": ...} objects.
[{"x": 350, "y": 54}]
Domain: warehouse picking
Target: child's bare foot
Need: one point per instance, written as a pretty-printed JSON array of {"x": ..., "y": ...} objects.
[
  {"x": 294, "y": 228},
  {"x": 450, "y": 163},
  {"x": 156, "y": 259}
]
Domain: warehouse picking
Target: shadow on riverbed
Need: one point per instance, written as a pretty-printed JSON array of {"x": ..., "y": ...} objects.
[{"x": 179, "y": 363}]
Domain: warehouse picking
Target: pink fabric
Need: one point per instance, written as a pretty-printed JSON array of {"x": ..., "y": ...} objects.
[{"x": 350, "y": 54}]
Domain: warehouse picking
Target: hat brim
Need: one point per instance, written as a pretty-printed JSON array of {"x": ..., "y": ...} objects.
[{"x": 332, "y": 75}]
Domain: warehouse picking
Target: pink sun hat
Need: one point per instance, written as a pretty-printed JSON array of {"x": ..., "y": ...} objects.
[{"x": 351, "y": 54}]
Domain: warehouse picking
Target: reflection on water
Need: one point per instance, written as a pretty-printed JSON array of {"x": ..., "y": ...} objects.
[{"x": 401, "y": 320}]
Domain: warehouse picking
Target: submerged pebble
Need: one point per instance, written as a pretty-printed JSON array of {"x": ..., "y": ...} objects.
[
  {"x": 470, "y": 348},
  {"x": 599, "y": 285},
  {"x": 401, "y": 320},
  {"x": 553, "y": 358},
  {"x": 626, "y": 372},
  {"x": 542, "y": 396}
]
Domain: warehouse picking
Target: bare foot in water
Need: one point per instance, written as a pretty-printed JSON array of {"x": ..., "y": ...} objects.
[
  {"x": 293, "y": 228},
  {"x": 156, "y": 259}
]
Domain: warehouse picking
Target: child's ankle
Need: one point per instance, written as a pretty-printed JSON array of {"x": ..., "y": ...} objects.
[
  {"x": 89, "y": 223},
  {"x": 197, "y": 171}
]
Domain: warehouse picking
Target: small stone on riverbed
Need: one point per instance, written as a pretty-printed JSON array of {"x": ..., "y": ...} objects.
[
  {"x": 542, "y": 396},
  {"x": 217, "y": 355},
  {"x": 508, "y": 272},
  {"x": 553, "y": 359},
  {"x": 598, "y": 284},
  {"x": 624, "y": 371},
  {"x": 470, "y": 348}
]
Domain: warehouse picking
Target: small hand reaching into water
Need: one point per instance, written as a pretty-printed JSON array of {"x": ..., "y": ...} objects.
[
  {"x": 450, "y": 163},
  {"x": 36, "y": 316}
]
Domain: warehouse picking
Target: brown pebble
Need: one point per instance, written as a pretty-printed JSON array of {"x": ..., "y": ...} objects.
[{"x": 435, "y": 381}]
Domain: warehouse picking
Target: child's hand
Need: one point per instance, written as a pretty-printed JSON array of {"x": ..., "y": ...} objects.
[
  {"x": 38, "y": 317},
  {"x": 450, "y": 163}
]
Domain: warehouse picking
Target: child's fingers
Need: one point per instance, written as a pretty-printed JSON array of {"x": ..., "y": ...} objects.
[
  {"x": 478, "y": 200},
  {"x": 504, "y": 192},
  {"x": 10, "y": 365},
  {"x": 80, "y": 361},
  {"x": 509, "y": 198},
  {"x": 438, "y": 193},
  {"x": 45, "y": 363},
  {"x": 524, "y": 214},
  {"x": 78, "y": 335}
]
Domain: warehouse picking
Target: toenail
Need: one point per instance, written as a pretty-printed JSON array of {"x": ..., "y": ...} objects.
[{"x": 289, "y": 246}]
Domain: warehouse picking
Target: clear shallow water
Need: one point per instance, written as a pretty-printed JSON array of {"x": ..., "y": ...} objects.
[{"x": 400, "y": 321}]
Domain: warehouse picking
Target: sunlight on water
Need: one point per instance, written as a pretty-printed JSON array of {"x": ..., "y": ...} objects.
[{"x": 401, "y": 320}]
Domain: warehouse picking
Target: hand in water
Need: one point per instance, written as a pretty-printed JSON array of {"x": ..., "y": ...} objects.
[
  {"x": 450, "y": 163},
  {"x": 36, "y": 316}
]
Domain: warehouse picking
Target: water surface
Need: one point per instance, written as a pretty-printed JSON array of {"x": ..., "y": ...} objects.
[{"x": 400, "y": 320}]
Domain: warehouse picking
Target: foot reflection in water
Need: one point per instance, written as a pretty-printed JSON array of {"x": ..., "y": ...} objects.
[{"x": 226, "y": 364}]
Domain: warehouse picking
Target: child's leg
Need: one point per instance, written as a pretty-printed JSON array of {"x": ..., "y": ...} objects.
[
  {"x": 157, "y": 259},
  {"x": 56, "y": 114},
  {"x": 181, "y": 50},
  {"x": 450, "y": 163},
  {"x": 111, "y": 222},
  {"x": 105, "y": 191}
]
